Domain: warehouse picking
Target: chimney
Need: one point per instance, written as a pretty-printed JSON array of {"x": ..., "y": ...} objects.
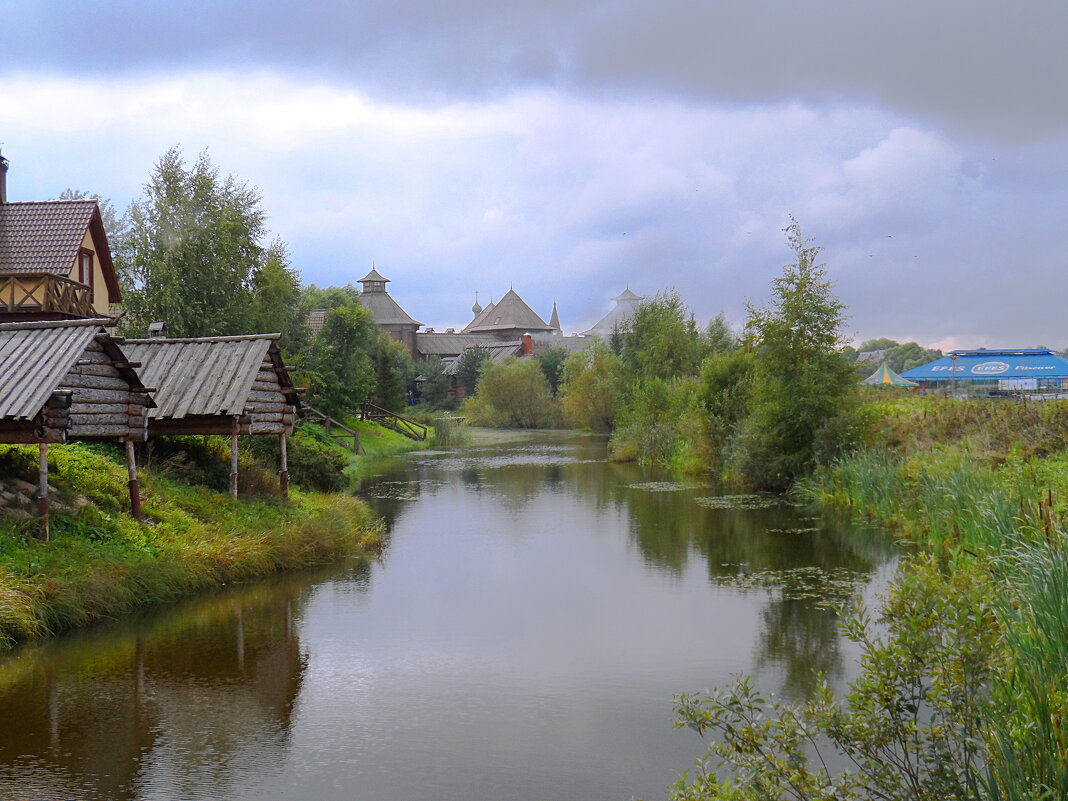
[
  {"x": 3, "y": 179},
  {"x": 528, "y": 345}
]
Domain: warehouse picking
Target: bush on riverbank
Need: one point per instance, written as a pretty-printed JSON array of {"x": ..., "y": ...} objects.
[
  {"x": 513, "y": 394},
  {"x": 977, "y": 490},
  {"x": 101, "y": 563},
  {"x": 954, "y": 479}
]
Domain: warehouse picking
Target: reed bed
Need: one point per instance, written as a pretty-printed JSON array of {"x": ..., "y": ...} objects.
[{"x": 984, "y": 483}]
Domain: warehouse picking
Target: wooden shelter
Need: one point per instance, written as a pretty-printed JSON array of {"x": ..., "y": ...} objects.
[
  {"x": 69, "y": 380},
  {"x": 219, "y": 385}
]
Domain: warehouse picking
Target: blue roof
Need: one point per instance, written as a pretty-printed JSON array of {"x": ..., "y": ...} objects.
[{"x": 977, "y": 365}]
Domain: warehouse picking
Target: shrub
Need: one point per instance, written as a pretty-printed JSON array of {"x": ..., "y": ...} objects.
[
  {"x": 593, "y": 385},
  {"x": 910, "y": 727},
  {"x": 513, "y": 394}
]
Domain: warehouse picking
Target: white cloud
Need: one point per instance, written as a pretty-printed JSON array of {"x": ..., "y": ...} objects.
[{"x": 573, "y": 198}]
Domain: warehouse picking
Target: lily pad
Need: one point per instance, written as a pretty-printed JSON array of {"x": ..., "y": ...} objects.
[{"x": 755, "y": 501}]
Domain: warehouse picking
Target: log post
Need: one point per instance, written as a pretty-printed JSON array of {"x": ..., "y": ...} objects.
[
  {"x": 135, "y": 490},
  {"x": 42, "y": 493},
  {"x": 233, "y": 462},
  {"x": 283, "y": 467}
]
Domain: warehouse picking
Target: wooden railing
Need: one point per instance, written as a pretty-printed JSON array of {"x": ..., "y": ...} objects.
[
  {"x": 44, "y": 293},
  {"x": 394, "y": 422},
  {"x": 329, "y": 423}
]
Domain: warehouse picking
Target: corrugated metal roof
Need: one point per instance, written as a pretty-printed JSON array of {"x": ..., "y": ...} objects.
[
  {"x": 34, "y": 358},
  {"x": 43, "y": 236},
  {"x": 209, "y": 376}
]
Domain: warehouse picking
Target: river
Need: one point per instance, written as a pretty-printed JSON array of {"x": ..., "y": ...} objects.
[{"x": 534, "y": 611}]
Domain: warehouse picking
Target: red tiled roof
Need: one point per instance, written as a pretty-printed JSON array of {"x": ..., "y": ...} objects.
[{"x": 43, "y": 236}]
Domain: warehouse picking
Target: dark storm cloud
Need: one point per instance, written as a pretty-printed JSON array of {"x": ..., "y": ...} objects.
[{"x": 994, "y": 67}]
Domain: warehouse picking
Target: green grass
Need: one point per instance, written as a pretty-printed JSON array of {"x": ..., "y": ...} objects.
[
  {"x": 984, "y": 483},
  {"x": 101, "y": 563}
]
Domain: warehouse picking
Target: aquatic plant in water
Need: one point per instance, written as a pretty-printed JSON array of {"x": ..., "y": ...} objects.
[
  {"x": 827, "y": 589},
  {"x": 753, "y": 501},
  {"x": 664, "y": 486}
]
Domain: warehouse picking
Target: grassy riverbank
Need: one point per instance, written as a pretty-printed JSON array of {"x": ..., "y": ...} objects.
[
  {"x": 983, "y": 486},
  {"x": 962, "y": 691},
  {"x": 101, "y": 563}
]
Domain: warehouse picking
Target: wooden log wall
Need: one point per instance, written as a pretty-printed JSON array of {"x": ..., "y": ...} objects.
[
  {"x": 49, "y": 426},
  {"x": 266, "y": 411},
  {"x": 103, "y": 404}
]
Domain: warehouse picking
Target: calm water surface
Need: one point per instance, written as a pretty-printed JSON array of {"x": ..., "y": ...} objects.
[{"x": 533, "y": 613}]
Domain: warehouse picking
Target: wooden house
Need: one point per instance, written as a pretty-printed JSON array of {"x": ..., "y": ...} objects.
[
  {"x": 55, "y": 263},
  {"x": 219, "y": 385}
]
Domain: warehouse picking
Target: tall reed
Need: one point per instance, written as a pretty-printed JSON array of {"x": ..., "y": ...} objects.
[{"x": 1028, "y": 737}]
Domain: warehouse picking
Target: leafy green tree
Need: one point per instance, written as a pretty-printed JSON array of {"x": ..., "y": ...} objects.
[
  {"x": 192, "y": 249},
  {"x": 882, "y": 343},
  {"x": 394, "y": 372},
  {"x": 726, "y": 383},
  {"x": 910, "y": 728},
  {"x": 339, "y": 360},
  {"x": 592, "y": 388},
  {"x": 911, "y": 355},
  {"x": 719, "y": 335},
  {"x": 513, "y": 394},
  {"x": 802, "y": 387},
  {"x": 276, "y": 298},
  {"x": 898, "y": 356},
  {"x": 435, "y": 388},
  {"x": 662, "y": 423},
  {"x": 663, "y": 340},
  {"x": 552, "y": 364},
  {"x": 469, "y": 367}
]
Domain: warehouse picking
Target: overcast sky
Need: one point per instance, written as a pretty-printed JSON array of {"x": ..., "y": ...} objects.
[{"x": 574, "y": 148}]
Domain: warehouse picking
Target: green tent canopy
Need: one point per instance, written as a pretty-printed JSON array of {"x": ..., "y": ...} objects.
[{"x": 885, "y": 376}]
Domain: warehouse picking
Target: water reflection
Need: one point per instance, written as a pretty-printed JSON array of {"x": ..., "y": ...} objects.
[
  {"x": 191, "y": 700},
  {"x": 797, "y": 565},
  {"x": 522, "y": 637}
]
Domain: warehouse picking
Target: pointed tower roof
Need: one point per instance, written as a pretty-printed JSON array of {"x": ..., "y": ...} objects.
[
  {"x": 554, "y": 320},
  {"x": 619, "y": 317},
  {"x": 476, "y": 309},
  {"x": 511, "y": 313},
  {"x": 384, "y": 309},
  {"x": 374, "y": 275}
]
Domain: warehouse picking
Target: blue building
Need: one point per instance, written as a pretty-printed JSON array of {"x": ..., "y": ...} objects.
[{"x": 1029, "y": 371}]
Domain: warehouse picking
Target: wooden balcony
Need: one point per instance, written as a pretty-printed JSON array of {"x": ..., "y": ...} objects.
[{"x": 44, "y": 296}]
